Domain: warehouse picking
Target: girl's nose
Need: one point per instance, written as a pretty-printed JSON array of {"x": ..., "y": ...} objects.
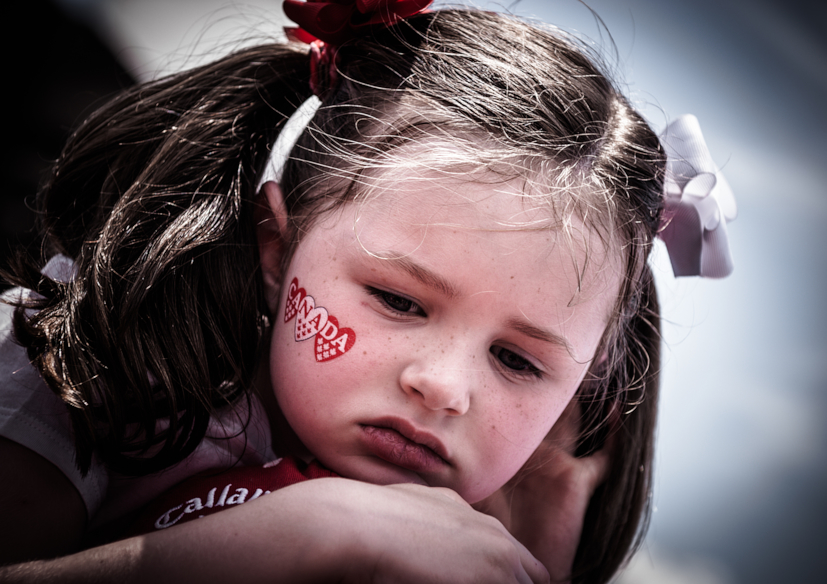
[{"x": 441, "y": 383}]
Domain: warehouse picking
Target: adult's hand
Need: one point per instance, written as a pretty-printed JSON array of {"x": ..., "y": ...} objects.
[
  {"x": 545, "y": 504},
  {"x": 426, "y": 534}
]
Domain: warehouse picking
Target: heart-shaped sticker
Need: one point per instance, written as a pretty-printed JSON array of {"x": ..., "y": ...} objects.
[
  {"x": 332, "y": 341},
  {"x": 294, "y": 298},
  {"x": 310, "y": 319}
]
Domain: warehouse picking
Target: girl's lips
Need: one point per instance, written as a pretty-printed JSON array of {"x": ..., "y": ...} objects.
[{"x": 398, "y": 442}]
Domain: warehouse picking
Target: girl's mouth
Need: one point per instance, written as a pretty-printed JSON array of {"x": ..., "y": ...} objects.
[{"x": 398, "y": 443}]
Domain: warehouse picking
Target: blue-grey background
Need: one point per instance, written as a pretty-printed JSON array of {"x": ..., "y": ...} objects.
[{"x": 741, "y": 479}]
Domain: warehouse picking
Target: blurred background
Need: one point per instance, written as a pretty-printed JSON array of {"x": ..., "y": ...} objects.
[{"x": 741, "y": 476}]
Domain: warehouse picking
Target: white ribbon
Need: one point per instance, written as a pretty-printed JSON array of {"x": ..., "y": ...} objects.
[
  {"x": 698, "y": 204},
  {"x": 287, "y": 138}
]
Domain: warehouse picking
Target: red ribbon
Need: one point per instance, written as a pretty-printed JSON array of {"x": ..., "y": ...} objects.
[{"x": 337, "y": 21}]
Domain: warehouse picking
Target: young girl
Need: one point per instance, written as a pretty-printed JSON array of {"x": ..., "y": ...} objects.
[{"x": 443, "y": 299}]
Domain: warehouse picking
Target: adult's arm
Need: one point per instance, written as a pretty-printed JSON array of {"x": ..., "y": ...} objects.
[{"x": 317, "y": 531}]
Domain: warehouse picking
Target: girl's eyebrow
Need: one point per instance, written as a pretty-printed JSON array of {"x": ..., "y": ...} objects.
[
  {"x": 528, "y": 329},
  {"x": 420, "y": 273}
]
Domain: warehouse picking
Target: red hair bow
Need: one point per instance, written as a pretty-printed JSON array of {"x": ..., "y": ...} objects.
[{"x": 337, "y": 21}]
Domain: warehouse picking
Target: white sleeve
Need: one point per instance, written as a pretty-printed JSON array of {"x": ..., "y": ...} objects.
[{"x": 33, "y": 416}]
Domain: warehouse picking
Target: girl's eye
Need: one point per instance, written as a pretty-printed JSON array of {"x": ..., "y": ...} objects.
[
  {"x": 514, "y": 363},
  {"x": 397, "y": 303}
]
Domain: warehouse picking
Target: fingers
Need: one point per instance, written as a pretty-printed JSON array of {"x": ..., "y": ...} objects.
[
  {"x": 599, "y": 463},
  {"x": 566, "y": 429},
  {"x": 533, "y": 572},
  {"x": 486, "y": 537},
  {"x": 597, "y": 466},
  {"x": 530, "y": 570}
]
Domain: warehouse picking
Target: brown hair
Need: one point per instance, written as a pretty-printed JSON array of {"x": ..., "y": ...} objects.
[{"x": 154, "y": 198}]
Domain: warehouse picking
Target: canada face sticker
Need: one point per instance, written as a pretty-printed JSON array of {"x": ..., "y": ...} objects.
[{"x": 332, "y": 340}]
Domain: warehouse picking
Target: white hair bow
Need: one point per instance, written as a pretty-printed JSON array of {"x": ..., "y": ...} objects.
[{"x": 698, "y": 204}]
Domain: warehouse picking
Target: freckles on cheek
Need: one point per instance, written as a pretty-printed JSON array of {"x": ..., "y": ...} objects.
[
  {"x": 521, "y": 426},
  {"x": 330, "y": 339}
]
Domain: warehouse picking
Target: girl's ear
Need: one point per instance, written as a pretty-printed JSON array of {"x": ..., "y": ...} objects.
[{"x": 271, "y": 231}]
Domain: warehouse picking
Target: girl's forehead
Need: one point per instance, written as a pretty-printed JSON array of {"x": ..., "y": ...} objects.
[
  {"x": 483, "y": 204},
  {"x": 487, "y": 220},
  {"x": 482, "y": 200}
]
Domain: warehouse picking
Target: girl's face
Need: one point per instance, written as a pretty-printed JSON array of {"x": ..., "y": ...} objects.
[{"x": 429, "y": 340}]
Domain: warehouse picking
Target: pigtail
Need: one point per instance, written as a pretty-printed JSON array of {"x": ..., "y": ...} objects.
[
  {"x": 625, "y": 406},
  {"x": 153, "y": 197}
]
